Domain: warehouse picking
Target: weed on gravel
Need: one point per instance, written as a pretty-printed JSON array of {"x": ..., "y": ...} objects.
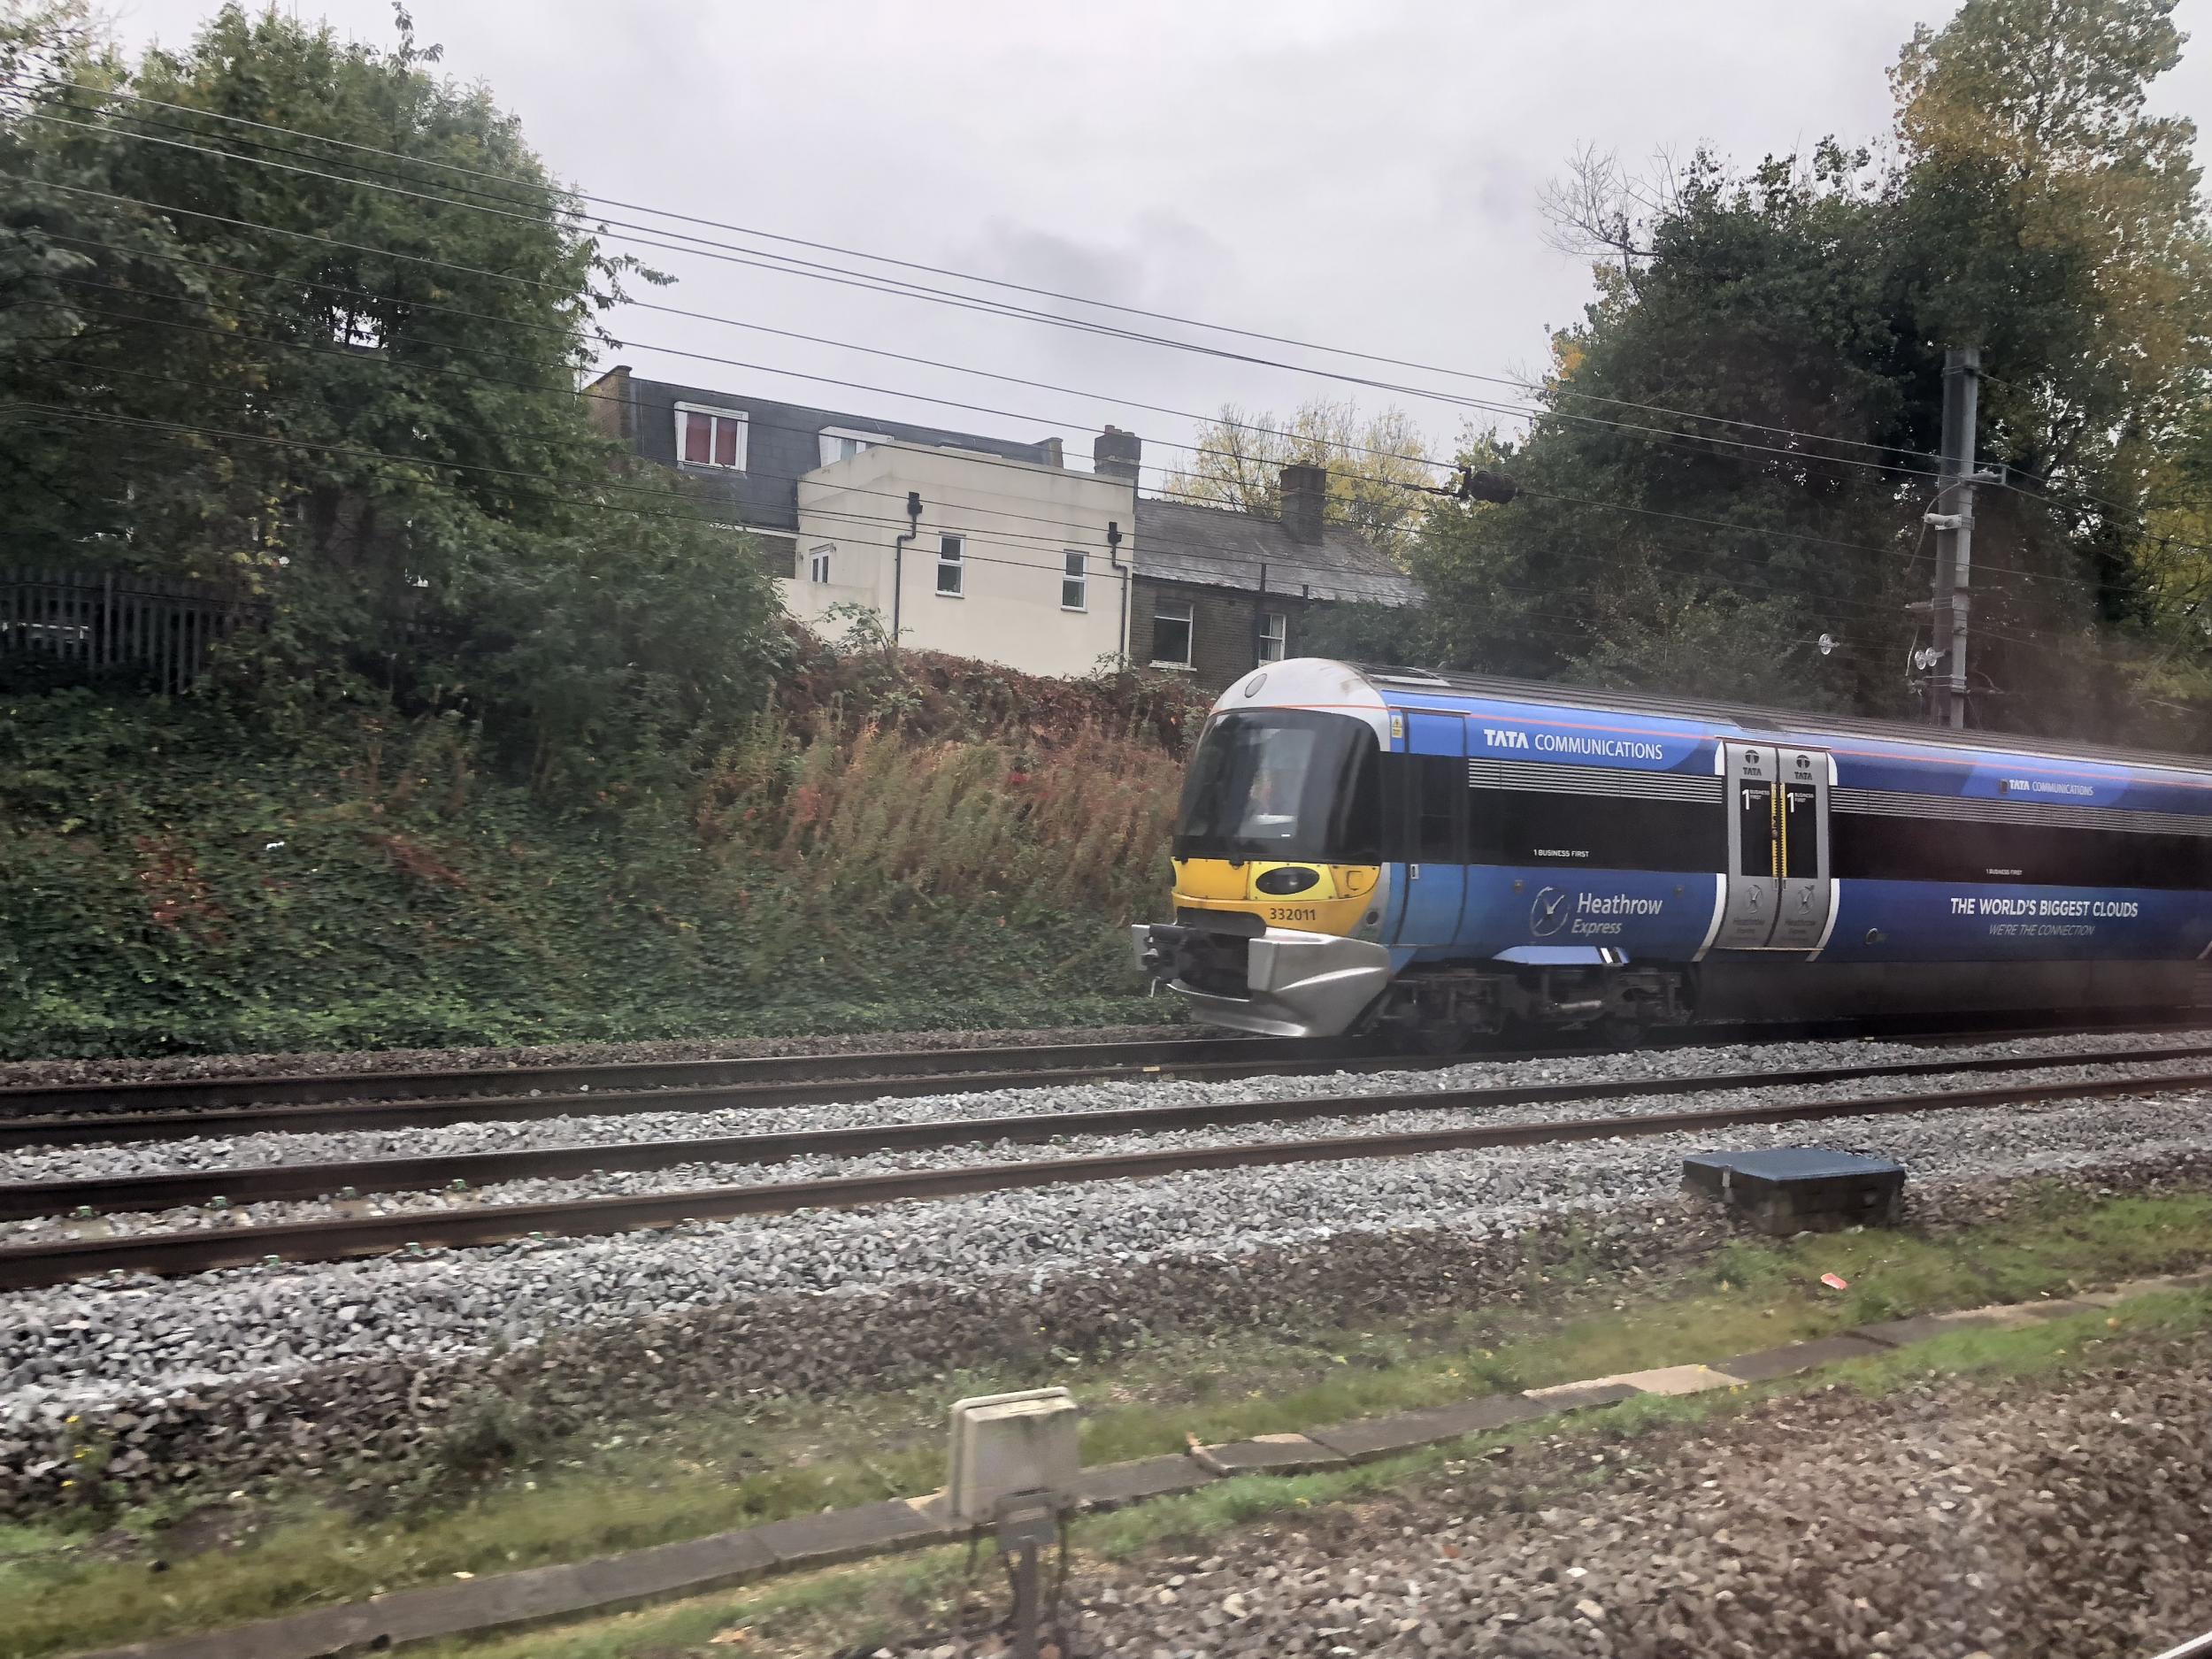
[{"x": 1492, "y": 1483}]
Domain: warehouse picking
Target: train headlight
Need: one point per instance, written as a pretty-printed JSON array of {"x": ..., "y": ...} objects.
[{"x": 1287, "y": 879}]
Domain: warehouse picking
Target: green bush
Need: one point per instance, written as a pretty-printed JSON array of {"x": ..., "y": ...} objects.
[{"x": 178, "y": 876}]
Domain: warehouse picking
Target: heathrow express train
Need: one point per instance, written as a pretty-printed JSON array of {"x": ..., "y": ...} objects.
[{"x": 1371, "y": 848}]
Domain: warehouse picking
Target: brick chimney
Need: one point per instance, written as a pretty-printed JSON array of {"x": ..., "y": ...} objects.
[
  {"x": 1116, "y": 454},
  {"x": 1305, "y": 502},
  {"x": 1048, "y": 451},
  {"x": 607, "y": 403}
]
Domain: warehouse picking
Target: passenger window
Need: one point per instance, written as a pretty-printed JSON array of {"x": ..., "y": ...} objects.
[
  {"x": 1756, "y": 812},
  {"x": 1440, "y": 785},
  {"x": 1801, "y": 832}
]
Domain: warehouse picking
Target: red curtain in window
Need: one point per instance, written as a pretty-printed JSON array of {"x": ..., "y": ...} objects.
[
  {"x": 726, "y": 443},
  {"x": 698, "y": 434}
]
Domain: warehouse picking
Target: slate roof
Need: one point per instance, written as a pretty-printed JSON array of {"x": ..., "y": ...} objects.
[
  {"x": 781, "y": 446},
  {"x": 1218, "y": 547}
]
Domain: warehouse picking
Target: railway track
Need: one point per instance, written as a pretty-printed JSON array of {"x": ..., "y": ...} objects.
[
  {"x": 83, "y": 1114},
  {"x": 110, "y": 1128},
  {"x": 201, "y": 1094},
  {"x": 199, "y": 1249}
]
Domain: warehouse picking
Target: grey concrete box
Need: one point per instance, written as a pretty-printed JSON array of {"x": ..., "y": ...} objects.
[{"x": 1008, "y": 1443}]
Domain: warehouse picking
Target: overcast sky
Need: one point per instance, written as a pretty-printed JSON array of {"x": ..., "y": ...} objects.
[{"x": 1358, "y": 175}]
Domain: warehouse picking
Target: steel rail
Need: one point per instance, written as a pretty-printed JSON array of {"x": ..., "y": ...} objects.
[
  {"x": 105, "y": 1128},
  {"x": 264, "y": 1183},
  {"x": 205, "y": 1249},
  {"x": 166, "y": 1094},
  {"x": 170, "y": 1094}
]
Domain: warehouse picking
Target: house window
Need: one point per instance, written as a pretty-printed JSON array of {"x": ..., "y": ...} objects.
[
  {"x": 1274, "y": 634},
  {"x": 710, "y": 437},
  {"x": 840, "y": 445},
  {"x": 1075, "y": 584},
  {"x": 818, "y": 566},
  {"x": 1171, "y": 636},
  {"x": 949, "y": 565}
]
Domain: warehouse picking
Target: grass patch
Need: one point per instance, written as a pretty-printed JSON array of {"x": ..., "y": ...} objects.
[
  {"x": 851, "y": 1607},
  {"x": 716, "y": 1470}
]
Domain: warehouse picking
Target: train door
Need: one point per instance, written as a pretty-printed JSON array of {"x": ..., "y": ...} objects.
[
  {"x": 1778, "y": 893},
  {"x": 1436, "y": 820}
]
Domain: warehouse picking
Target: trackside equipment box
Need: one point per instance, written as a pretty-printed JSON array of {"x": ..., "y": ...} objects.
[
  {"x": 1798, "y": 1189},
  {"x": 1005, "y": 1444}
]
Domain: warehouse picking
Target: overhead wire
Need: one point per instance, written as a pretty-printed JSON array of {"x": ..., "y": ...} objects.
[
  {"x": 1150, "y": 538},
  {"x": 1518, "y": 383},
  {"x": 139, "y": 423},
  {"x": 586, "y": 392},
  {"x": 707, "y": 245},
  {"x": 949, "y": 403},
  {"x": 812, "y": 269},
  {"x": 1305, "y": 561},
  {"x": 1794, "y": 454},
  {"x": 1137, "y": 544}
]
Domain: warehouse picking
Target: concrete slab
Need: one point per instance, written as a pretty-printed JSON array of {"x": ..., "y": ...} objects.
[
  {"x": 2011, "y": 1314},
  {"x": 1366, "y": 1439},
  {"x": 1769, "y": 1363},
  {"x": 1112, "y": 1485},
  {"x": 2056, "y": 1309},
  {"x": 1271, "y": 1454},
  {"x": 1670, "y": 1379},
  {"x": 1580, "y": 1396},
  {"x": 822, "y": 1540},
  {"x": 1900, "y": 1333},
  {"x": 504, "y": 1601}
]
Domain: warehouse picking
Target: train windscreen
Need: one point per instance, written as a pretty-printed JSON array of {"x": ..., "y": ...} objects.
[{"x": 1283, "y": 784}]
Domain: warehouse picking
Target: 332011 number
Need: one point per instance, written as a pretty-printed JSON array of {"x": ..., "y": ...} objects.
[{"x": 1293, "y": 913}]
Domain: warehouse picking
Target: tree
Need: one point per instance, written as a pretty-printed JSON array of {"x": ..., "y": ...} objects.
[
  {"x": 346, "y": 382},
  {"x": 2064, "y": 234},
  {"x": 1737, "y": 453},
  {"x": 1239, "y": 458}
]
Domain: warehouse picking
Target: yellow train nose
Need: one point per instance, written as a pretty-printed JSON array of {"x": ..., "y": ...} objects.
[{"x": 1305, "y": 897}]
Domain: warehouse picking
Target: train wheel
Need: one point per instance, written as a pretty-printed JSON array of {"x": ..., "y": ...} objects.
[{"x": 1440, "y": 1039}]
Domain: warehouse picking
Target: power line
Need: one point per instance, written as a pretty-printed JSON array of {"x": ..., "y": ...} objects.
[
  {"x": 182, "y": 428},
  {"x": 185, "y": 428},
  {"x": 1793, "y": 455},
  {"x": 1140, "y": 542},
  {"x": 1151, "y": 538},
  {"x": 814, "y": 270},
  {"x": 447, "y": 265},
  {"x": 587, "y": 393},
  {"x": 1146, "y": 538},
  {"x": 1519, "y": 383},
  {"x": 918, "y": 291}
]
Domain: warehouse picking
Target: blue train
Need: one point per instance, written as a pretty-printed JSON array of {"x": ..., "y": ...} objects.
[{"x": 1364, "y": 849}]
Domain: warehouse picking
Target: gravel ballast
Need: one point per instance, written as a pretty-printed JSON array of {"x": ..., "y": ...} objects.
[
  {"x": 1938, "y": 1522},
  {"x": 92, "y": 1338},
  {"x": 2091, "y": 1128},
  {"x": 393, "y": 1406},
  {"x": 377, "y": 1355},
  {"x": 94, "y": 1161}
]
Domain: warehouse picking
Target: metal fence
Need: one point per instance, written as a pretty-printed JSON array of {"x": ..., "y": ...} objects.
[{"x": 95, "y": 620}]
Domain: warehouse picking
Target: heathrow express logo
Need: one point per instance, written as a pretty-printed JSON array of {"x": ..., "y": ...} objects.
[{"x": 1548, "y": 914}]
